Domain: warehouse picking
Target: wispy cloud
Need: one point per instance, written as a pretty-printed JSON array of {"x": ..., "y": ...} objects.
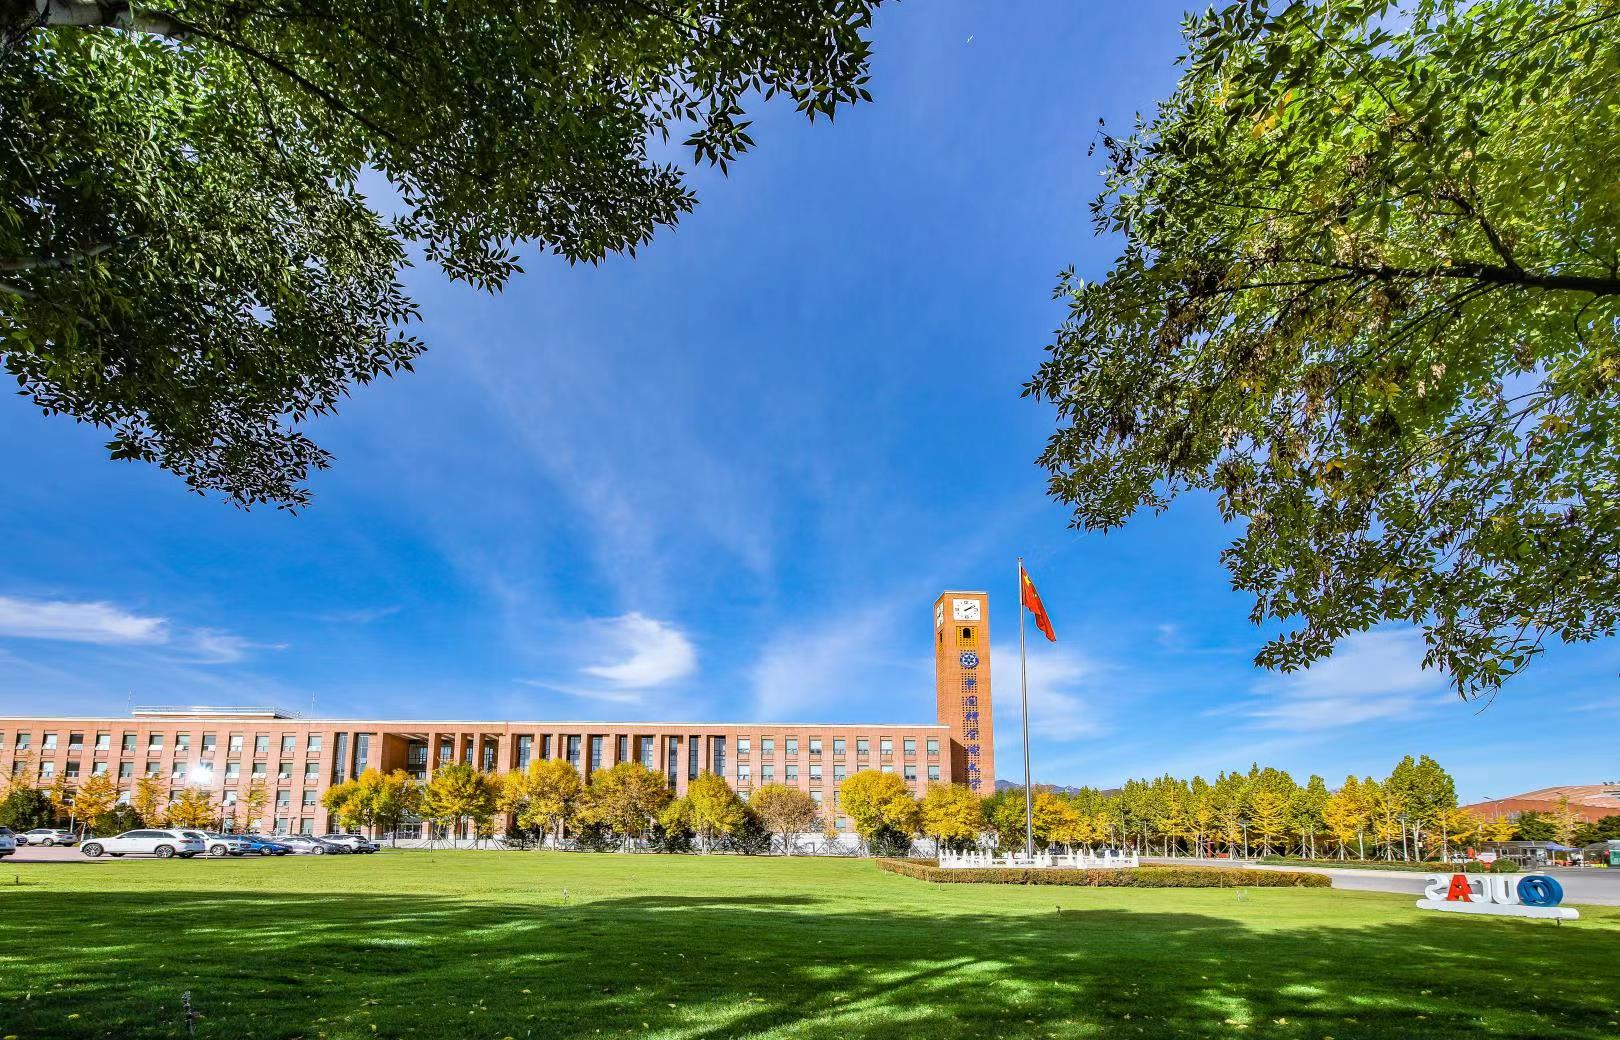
[
  {"x": 1064, "y": 693},
  {"x": 359, "y": 616},
  {"x": 646, "y": 652},
  {"x": 1372, "y": 676},
  {"x": 631, "y": 658},
  {"x": 83, "y": 622},
  {"x": 106, "y": 624}
]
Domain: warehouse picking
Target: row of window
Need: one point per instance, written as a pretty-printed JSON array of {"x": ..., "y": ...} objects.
[
  {"x": 863, "y": 745},
  {"x": 177, "y": 771},
  {"x": 767, "y": 773},
  {"x": 155, "y": 742}
]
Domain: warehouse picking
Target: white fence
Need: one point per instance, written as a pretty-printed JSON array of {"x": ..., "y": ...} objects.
[{"x": 1076, "y": 860}]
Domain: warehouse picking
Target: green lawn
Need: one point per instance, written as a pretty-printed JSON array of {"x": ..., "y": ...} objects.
[{"x": 506, "y": 944}]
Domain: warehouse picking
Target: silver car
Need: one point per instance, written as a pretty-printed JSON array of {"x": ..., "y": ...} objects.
[
  {"x": 221, "y": 845},
  {"x": 306, "y": 845},
  {"x": 352, "y": 842},
  {"x": 47, "y": 836},
  {"x": 8, "y": 842},
  {"x": 164, "y": 844}
]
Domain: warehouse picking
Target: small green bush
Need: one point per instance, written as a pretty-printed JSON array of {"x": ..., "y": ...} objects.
[
  {"x": 1122, "y": 877},
  {"x": 1504, "y": 866}
]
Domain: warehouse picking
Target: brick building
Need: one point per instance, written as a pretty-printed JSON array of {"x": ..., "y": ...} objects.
[{"x": 224, "y": 750}]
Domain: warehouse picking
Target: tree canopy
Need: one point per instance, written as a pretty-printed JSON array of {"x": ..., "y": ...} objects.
[
  {"x": 206, "y": 205},
  {"x": 1369, "y": 297}
]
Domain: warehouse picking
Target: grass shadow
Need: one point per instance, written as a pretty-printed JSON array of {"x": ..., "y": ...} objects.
[{"x": 422, "y": 966}]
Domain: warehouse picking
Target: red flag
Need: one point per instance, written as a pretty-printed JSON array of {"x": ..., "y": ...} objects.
[{"x": 1032, "y": 603}]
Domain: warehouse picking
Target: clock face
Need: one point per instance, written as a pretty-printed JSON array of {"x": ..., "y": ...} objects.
[
  {"x": 939, "y": 615},
  {"x": 969, "y": 659},
  {"x": 965, "y": 609}
]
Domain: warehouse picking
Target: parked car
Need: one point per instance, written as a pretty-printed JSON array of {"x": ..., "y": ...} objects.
[
  {"x": 261, "y": 846},
  {"x": 47, "y": 836},
  {"x": 309, "y": 845},
  {"x": 221, "y": 845},
  {"x": 8, "y": 842},
  {"x": 163, "y": 844},
  {"x": 353, "y": 842}
]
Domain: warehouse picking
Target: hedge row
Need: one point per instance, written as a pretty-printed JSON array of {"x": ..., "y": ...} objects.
[{"x": 1124, "y": 877}]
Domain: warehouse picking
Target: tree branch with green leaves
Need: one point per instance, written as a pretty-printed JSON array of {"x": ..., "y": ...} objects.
[
  {"x": 191, "y": 253},
  {"x": 1369, "y": 299}
]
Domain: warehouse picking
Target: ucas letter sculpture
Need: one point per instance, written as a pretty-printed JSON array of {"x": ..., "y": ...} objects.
[{"x": 1533, "y": 895}]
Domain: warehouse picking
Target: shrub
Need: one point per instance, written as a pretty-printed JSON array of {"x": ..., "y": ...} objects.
[
  {"x": 596, "y": 837},
  {"x": 675, "y": 838},
  {"x": 1126, "y": 877},
  {"x": 750, "y": 838},
  {"x": 889, "y": 841},
  {"x": 1504, "y": 866}
]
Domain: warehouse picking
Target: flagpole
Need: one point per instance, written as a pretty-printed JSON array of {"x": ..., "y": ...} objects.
[{"x": 1023, "y": 677}]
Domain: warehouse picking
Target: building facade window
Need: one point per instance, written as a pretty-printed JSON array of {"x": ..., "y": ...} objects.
[
  {"x": 792, "y": 772},
  {"x": 525, "y": 745},
  {"x": 692, "y": 744},
  {"x": 261, "y": 744},
  {"x": 717, "y": 756},
  {"x": 208, "y": 743},
  {"x": 793, "y": 745},
  {"x": 910, "y": 773},
  {"x": 233, "y": 745},
  {"x": 647, "y": 758},
  {"x": 767, "y": 772},
  {"x": 909, "y": 746},
  {"x": 885, "y": 747},
  {"x": 839, "y": 771},
  {"x": 839, "y": 746},
  {"x": 863, "y": 746},
  {"x": 815, "y": 772},
  {"x": 933, "y": 746},
  {"x": 573, "y": 751},
  {"x": 289, "y": 743},
  {"x": 815, "y": 746},
  {"x": 233, "y": 772},
  {"x": 49, "y": 743},
  {"x": 621, "y": 749},
  {"x": 767, "y": 745},
  {"x": 596, "y": 753},
  {"x": 933, "y": 772},
  {"x": 126, "y": 770},
  {"x": 313, "y": 745},
  {"x": 127, "y": 745},
  {"x": 103, "y": 741}
]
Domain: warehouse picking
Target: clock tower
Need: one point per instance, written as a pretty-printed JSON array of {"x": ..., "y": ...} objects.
[{"x": 962, "y": 686}]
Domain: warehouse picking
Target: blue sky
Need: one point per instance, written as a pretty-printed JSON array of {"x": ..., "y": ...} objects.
[{"x": 725, "y": 480}]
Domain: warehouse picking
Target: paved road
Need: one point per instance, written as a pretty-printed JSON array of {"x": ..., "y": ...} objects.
[{"x": 1589, "y": 886}]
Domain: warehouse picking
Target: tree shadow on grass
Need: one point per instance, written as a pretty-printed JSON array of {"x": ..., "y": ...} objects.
[{"x": 699, "y": 967}]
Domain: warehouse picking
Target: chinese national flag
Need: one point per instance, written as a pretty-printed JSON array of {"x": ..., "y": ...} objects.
[{"x": 1032, "y": 603}]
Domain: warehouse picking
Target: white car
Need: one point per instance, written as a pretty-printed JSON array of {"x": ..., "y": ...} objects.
[
  {"x": 8, "y": 842},
  {"x": 162, "y": 844},
  {"x": 47, "y": 836}
]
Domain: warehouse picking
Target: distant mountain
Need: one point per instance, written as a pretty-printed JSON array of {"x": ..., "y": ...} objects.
[{"x": 1008, "y": 785}]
